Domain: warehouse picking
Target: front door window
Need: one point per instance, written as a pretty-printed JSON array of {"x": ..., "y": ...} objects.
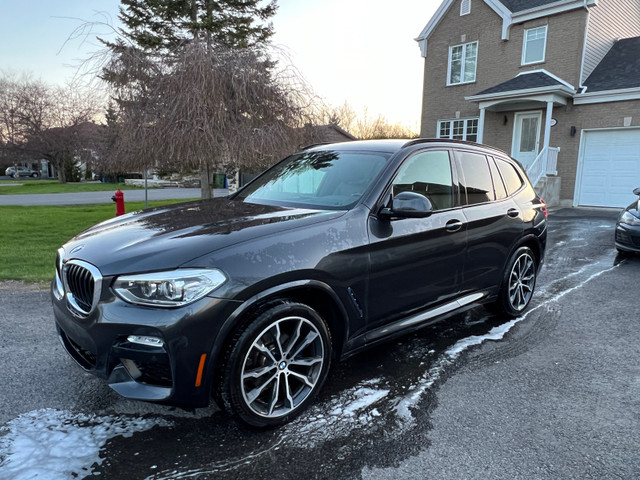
[{"x": 526, "y": 137}]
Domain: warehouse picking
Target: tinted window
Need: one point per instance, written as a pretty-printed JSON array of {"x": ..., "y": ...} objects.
[
  {"x": 512, "y": 179},
  {"x": 498, "y": 186},
  {"x": 476, "y": 178},
  {"x": 429, "y": 174},
  {"x": 325, "y": 179}
]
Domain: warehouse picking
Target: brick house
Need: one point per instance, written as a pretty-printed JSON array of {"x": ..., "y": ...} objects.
[{"x": 555, "y": 83}]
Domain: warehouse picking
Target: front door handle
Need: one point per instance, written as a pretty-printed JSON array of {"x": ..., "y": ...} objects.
[
  {"x": 453, "y": 225},
  {"x": 513, "y": 212}
]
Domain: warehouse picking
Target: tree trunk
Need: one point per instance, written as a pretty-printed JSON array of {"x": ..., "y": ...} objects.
[{"x": 206, "y": 179}]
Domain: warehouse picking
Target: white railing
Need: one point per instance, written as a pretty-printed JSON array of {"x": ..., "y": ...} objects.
[{"x": 545, "y": 164}]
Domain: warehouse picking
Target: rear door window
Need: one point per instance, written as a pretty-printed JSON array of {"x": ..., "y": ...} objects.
[
  {"x": 498, "y": 185},
  {"x": 476, "y": 178}
]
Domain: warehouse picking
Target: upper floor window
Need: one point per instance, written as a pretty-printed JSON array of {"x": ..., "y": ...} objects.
[
  {"x": 459, "y": 129},
  {"x": 534, "y": 45},
  {"x": 465, "y": 7},
  {"x": 462, "y": 63}
]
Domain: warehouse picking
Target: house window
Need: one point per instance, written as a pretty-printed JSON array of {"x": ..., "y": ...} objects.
[
  {"x": 462, "y": 63},
  {"x": 459, "y": 129},
  {"x": 465, "y": 7},
  {"x": 533, "y": 45}
]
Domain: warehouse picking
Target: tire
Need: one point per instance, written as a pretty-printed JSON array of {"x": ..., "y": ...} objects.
[
  {"x": 276, "y": 365},
  {"x": 518, "y": 284},
  {"x": 35, "y": 175}
]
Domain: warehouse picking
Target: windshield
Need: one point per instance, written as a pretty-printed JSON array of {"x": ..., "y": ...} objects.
[{"x": 327, "y": 179}]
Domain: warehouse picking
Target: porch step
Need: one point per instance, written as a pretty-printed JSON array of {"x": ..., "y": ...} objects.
[{"x": 548, "y": 188}]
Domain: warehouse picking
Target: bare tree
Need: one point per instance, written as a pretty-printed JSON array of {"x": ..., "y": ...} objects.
[
  {"x": 40, "y": 121},
  {"x": 206, "y": 106},
  {"x": 363, "y": 126}
]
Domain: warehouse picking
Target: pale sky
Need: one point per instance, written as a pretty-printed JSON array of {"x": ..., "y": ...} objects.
[{"x": 359, "y": 51}]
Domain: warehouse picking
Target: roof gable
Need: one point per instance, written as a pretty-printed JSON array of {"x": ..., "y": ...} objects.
[{"x": 511, "y": 12}]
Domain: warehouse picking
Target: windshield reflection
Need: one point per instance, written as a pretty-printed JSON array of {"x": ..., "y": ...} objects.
[{"x": 327, "y": 179}]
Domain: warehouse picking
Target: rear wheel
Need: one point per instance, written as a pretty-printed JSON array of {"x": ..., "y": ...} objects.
[
  {"x": 518, "y": 283},
  {"x": 276, "y": 365}
]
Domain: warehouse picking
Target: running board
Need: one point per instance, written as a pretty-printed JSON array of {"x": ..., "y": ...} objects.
[{"x": 404, "y": 324}]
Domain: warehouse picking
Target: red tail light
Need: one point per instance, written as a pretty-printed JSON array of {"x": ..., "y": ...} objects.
[{"x": 544, "y": 208}]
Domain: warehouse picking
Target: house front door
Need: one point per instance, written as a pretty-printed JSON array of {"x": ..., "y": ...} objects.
[{"x": 526, "y": 137}]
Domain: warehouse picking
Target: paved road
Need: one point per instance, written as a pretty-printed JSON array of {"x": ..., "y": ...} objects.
[
  {"x": 552, "y": 395},
  {"x": 90, "y": 198}
]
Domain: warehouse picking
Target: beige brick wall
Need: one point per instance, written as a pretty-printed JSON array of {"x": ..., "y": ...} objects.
[{"x": 498, "y": 60}]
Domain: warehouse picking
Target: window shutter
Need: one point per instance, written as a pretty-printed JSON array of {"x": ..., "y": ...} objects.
[{"x": 465, "y": 7}]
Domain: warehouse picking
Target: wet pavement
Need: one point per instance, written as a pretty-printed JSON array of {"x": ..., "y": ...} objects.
[{"x": 552, "y": 394}]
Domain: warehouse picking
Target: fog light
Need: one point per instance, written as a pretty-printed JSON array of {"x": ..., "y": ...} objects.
[{"x": 148, "y": 341}]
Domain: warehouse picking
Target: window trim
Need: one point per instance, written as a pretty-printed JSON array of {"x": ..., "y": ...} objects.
[
  {"x": 465, "y": 132},
  {"x": 462, "y": 64},
  {"x": 525, "y": 42}
]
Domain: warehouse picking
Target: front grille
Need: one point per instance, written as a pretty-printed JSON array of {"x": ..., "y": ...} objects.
[{"x": 81, "y": 285}]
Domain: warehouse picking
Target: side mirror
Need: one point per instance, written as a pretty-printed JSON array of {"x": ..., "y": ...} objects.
[
  {"x": 636, "y": 191},
  {"x": 408, "y": 205}
]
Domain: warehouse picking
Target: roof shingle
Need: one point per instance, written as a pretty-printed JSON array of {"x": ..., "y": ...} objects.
[
  {"x": 520, "y": 5},
  {"x": 620, "y": 67},
  {"x": 524, "y": 81}
]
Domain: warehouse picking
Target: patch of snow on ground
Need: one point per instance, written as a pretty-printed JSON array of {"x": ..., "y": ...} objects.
[
  {"x": 51, "y": 444},
  {"x": 352, "y": 408}
]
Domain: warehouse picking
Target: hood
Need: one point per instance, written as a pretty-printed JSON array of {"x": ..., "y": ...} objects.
[
  {"x": 167, "y": 237},
  {"x": 634, "y": 208}
]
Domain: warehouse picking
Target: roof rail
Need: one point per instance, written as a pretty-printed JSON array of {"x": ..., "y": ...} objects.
[{"x": 417, "y": 141}]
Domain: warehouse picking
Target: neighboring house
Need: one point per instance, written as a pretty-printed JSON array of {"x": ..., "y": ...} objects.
[
  {"x": 330, "y": 134},
  {"x": 545, "y": 81}
]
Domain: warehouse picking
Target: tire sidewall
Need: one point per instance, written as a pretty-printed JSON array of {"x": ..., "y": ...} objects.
[{"x": 232, "y": 396}]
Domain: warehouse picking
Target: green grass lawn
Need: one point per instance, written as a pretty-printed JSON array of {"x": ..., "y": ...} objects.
[
  {"x": 30, "y": 236},
  {"x": 9, "y": 187}
]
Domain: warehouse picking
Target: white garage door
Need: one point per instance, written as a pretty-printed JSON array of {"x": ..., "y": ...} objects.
[{"x": 610, "y": 168}]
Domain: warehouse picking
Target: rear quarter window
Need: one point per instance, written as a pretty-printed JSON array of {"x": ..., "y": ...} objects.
[{"x": 512, "y": 179}]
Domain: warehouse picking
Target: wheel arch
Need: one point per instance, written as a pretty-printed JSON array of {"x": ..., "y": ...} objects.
[{"x": 317, "y": 295}]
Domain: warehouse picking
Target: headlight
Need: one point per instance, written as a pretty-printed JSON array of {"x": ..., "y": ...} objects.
[
  {"x": 168, "y": 289},
  {"x": 629, "y": 218}
]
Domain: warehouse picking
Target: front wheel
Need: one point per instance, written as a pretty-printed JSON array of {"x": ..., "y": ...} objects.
[
  {"x": 518, "y": 283},
  {"x": 276, "y": 365}
]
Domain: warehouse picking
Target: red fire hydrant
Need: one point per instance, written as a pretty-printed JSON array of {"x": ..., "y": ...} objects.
[{"x": 118, "y": 197}]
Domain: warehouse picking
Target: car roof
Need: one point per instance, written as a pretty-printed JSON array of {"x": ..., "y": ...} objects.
[{"x": 394, "y": 145}]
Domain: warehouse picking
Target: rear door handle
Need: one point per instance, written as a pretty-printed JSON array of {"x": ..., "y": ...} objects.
[
  {"x": 453, "y": 225},
  {"x": 513, "y": 212}
]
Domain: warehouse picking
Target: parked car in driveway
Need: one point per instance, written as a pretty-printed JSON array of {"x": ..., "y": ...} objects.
[
  {"x": 16, "y": 172},
  {"x": 627, "y": 236},
  {"x": 248, "y": 299}
]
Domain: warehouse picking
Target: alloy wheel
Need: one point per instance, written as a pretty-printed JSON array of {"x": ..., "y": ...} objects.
[
  {"x": 521, "y": 282},
  {"x": 282, "y": 366}
]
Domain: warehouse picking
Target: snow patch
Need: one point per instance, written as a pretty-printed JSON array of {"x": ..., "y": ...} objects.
[{"x": 60, "y": 445}]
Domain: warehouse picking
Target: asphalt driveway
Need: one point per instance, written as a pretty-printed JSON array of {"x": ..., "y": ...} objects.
[{"x": 553, "y": 394}]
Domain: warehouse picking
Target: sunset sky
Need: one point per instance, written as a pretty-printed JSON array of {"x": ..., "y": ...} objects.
[{"x": 358, "y": 51}]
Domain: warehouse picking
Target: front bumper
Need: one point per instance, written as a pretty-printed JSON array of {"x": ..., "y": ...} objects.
[
  {"x": 627, "y": 237},
  {"x": 170, "y": 370}
]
